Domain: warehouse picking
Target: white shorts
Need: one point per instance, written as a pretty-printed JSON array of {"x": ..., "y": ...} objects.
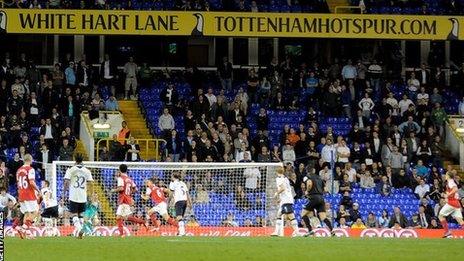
[
  {"x": 124, "y": 210},
  {"x": 28, "y": 206},
  {"x": 448, "y": 210},
  {"x": 161, "y": 208}
]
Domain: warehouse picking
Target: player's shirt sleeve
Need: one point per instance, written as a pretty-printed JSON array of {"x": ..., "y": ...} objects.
[
  {"x": 68, "y": 174},
  {"x": 89, "y": 175},
  {"x": 451, "y": 184},
  {"x": 172, "y": 186},
  {"x": 120, "y": 182},
  {"x": 148, "y": 192},
  {"x": 31, "y": 174}
]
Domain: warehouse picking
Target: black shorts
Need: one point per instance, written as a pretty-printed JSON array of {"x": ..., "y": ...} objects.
[
  {"x": 287, "y": 209},
  {"x": 180, "y": 206},
  {"x": 50, "y": 212},
  {"x": 316, "y": 203},
  {"x": 76, "y": 208}
]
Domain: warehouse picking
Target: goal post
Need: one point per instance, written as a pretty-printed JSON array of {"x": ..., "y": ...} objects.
[{"x": 227, "y": 198}]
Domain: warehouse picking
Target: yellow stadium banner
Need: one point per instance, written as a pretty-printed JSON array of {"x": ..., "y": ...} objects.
[{"x": 116, "y": 22}]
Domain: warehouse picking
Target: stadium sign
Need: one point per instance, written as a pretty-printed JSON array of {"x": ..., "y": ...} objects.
[{"x": 116, "y": 22}]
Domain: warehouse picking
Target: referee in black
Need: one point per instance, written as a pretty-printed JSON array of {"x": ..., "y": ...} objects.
[{"x": 315, "y": 194}]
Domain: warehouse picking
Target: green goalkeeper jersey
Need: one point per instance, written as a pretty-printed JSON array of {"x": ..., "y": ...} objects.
[{"x": 91, "y": 210}]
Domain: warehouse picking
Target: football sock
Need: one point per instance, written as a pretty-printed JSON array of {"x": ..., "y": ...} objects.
[
  {"x": 172, "y": 222},
  {"x": 444, "y": 224},
  {"x": 27, "y": 224},
  {"x": 154, "y": 220},
  {"x": 77, "y": 225},
  {"x": 120, "y": 223},
  {"x": 16, "y": 222},
  {"x": 136, "y": 220},
  {"x": 328, "y": 224},
  {"x": 294, "y": 224},
  {"x": 278, "y": 226},
  {"x": 181, "y": 227},
  {"x": 307, "y": 223}
]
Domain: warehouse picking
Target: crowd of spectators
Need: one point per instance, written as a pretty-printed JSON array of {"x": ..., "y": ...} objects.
[
  {"x": 423, "y": 7},
  {"x": 396, "y": 140}
]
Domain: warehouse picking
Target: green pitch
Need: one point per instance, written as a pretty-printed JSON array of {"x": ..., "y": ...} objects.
[{"x": 203, "y": 248}]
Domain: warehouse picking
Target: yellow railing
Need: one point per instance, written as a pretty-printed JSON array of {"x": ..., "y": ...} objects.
[
  {"x": 342, "y": 7},
  {"x": 145, "y": 145}
]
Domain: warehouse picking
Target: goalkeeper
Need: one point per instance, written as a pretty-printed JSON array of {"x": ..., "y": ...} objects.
[{"x": 90, "y": 216}]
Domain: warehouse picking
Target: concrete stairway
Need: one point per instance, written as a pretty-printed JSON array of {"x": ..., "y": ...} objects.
[{"x": 138, "y": 126}]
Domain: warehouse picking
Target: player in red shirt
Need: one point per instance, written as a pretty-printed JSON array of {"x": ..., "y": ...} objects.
[
  {"x": 453, "y": 206},
  {"x": 28, "y": 195},
  {"x": 126, "y": 187},
  {"x": 157, "y": 195}
]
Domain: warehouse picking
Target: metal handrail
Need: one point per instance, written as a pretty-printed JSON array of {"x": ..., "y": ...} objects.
[
  {"x": 146, "y": 142},
  {"x": 347, "y": 7}
]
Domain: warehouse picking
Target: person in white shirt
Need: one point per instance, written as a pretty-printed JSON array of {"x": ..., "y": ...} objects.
[
  {"x": 329, "y": 152},
  {"x": 351, "y": 172},
  {"x": 288, "y": 154},
  {"x": 5, "y": 197},
  {"x": 252, "y": 178},
  {"x": 50, "y": 212},
  {"x": 181, "y": 196},
  {"x": 422, "y": 189},
  {"x": 343, "y": 152},
  {"x": 367, "y": 181},
  {"x": 391, "y": 100},
  {"x": 413, "y": 83},
  {"x": 366, "y": 105},
  {"x": 422, "y": 95},
  {"x": 211, "y": 97},
  {"x": 404, "y": 104},
  {"x": 76, "y": 180},
  {"x": 285, "y": 199}
]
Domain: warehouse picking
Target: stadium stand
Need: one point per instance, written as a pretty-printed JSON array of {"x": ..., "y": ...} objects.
[{"x": 426, "y": 7}]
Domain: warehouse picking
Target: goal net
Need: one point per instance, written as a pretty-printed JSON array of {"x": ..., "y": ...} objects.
[{"x": 228, "y": 199}]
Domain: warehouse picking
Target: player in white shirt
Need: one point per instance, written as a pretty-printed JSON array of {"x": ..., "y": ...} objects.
[
  {"x": 285, "y": 198},
  {"x": 50, "y": 212},
  {"x": 76, "y": 180},
  {"x": 181, "y": 200}
]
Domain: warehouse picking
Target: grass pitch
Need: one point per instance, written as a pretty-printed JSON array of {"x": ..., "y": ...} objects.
[{"x": 234, "y": 248}]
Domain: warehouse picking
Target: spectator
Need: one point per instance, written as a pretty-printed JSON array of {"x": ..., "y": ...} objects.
[
  {"x": 384, "y": 220},
  {"x": 424, "y": 219},
  {"x": 422, "y": 189},
  {"x": 345, "y": 184},
  {"x": 349, "y": 72},
  {"x": 166, "y": 123},
  {"x": 288, "y": 154},
  {"x": 133, "y": 150},
  {"x": 328, "y": 153},
  {"x": 66, "y": 152},
  {"x": 225, "y": 73},
  {"x": 104, "y": 154},
  {"x": 384, "y": 186},
  {"x": 108, "y": 73},
  {"x": 252, "y": 179},
  {"x": 112, "y": 104},
  {"x": 202, "y": 196},
  {"x": 358, "y": 224},
  {"x": 174, "y": 146},
  {"x": 366, "y": 105},
  {"x": 398, "y": 218},
  {"x": 422, "y": 171},
  {"x": 355, "y": 213},
  {"x": 342, "y": 223},
  {"x": 115, "y": 149},
  {"x": 343, "y": 213},
  {"x": 169, "y": 96},
  {"x": 130, "y": 84},
  {"x": 124, "y": 133},
  {"x": 367, "y": 181},
  {"x": 434, "y": 224}
]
